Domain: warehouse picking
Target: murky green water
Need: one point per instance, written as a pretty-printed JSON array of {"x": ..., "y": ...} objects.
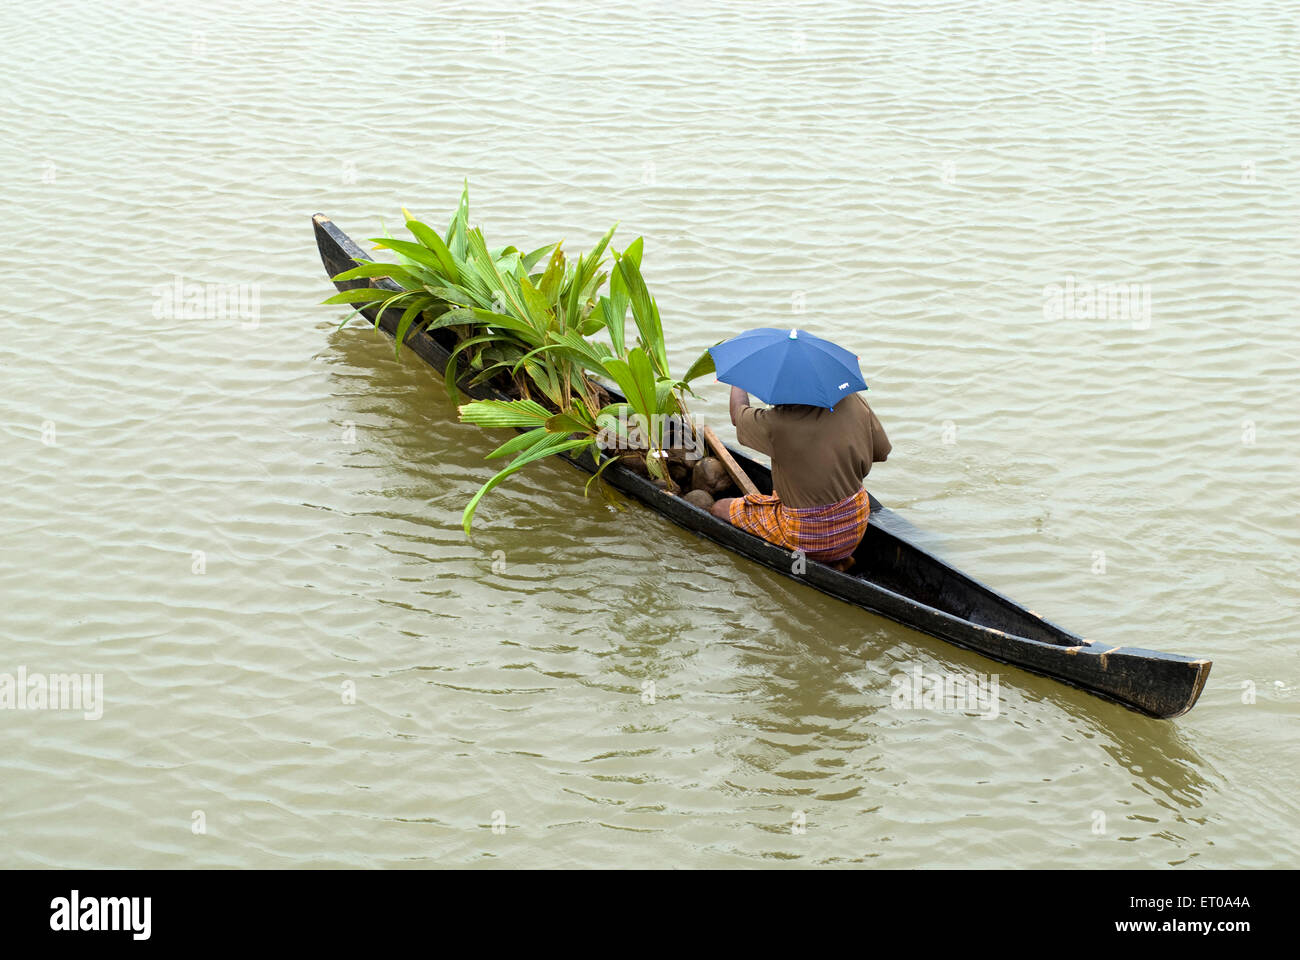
[{"x": 236, "y": 522}]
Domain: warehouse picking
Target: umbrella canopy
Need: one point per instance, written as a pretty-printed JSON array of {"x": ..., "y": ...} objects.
[{"x": 788, "y": 366}]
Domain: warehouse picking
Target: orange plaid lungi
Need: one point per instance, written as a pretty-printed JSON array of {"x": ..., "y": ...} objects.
[{"x": 825, "y": 534}]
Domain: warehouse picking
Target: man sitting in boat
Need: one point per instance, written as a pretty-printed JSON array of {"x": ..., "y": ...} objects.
[
  {"x": 820, "y": 433},
  {"x": 819, "y": 457}
]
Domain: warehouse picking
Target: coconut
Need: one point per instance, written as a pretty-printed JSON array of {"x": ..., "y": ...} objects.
[
  {"x": 710, "y": 476},
  {"x": 635, "y": 462},
  {"x": 699, "y": 498}
]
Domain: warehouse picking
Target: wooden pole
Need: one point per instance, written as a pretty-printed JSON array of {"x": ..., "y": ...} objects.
[{"x": 729, "y": 462}]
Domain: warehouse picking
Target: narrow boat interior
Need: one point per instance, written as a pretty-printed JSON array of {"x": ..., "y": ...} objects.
[{"x": 889, "y": 561}]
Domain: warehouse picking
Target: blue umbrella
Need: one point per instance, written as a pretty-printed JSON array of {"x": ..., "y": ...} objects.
[{"x": 788, "y": 366}]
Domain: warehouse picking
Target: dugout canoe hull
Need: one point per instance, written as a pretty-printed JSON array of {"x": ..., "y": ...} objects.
[{"x": 892, "y": 577}]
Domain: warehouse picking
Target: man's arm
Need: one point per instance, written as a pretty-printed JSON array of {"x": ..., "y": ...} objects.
[
  {"x": 739, "y": 400},
  {"x": 751, "y": 425}
]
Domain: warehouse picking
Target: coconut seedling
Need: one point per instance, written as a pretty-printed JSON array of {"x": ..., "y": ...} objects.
[{"x": 528, "y": 323}]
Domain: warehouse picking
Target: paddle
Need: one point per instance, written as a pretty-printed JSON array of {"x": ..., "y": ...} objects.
[{"x": 729, "y": 462}]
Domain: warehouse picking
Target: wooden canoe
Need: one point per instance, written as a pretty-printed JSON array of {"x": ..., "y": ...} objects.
[{"x": 892, "y": 576}]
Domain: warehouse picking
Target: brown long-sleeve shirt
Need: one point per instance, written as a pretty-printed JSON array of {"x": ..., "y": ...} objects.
[{"x": 819, "y": 456}]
